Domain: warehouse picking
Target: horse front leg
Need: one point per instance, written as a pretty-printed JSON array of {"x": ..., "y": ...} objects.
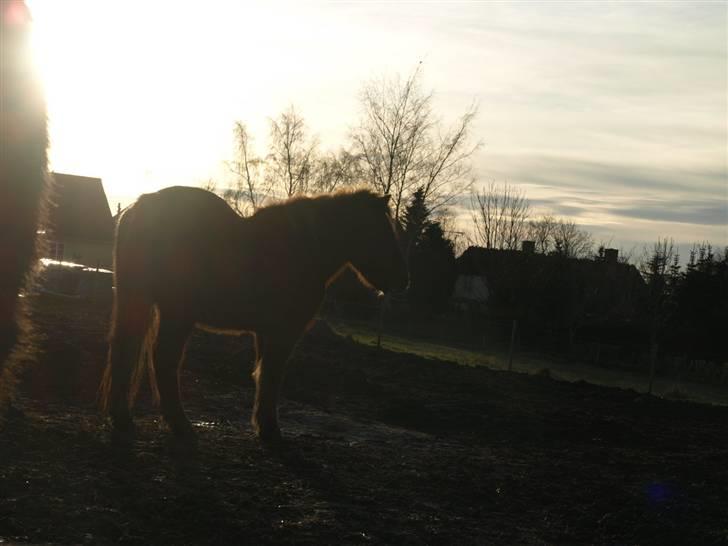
[
  {"x": 270, "y": 368},
  {"x": 123, "y": 356}
]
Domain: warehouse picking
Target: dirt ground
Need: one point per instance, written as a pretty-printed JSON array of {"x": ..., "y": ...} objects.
[{"x": 381, "y": 448}]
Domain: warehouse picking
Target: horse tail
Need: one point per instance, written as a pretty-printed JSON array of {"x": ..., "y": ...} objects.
[{"x": 134, "y": 321}]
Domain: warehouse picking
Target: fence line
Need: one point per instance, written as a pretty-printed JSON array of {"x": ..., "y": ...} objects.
[{"x": 476, "y": 332}]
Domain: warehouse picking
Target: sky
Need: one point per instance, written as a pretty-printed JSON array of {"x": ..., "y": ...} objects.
[{"x": 613, "y": 114}]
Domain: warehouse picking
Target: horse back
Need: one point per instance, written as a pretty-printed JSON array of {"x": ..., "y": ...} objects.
[{"x": 173, "y": 243}]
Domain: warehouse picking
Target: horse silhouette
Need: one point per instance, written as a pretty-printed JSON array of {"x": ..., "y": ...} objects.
[
  {"x": 184, "y": 258},
  {"x": 23, "y": 181}
]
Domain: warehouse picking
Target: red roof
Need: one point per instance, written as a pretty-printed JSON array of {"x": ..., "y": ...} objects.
[{"x": 79, "y": 209}]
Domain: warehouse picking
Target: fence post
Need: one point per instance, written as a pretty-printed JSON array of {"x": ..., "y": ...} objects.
[
  {"x": 653, "y": 360},
  {"x": 514, "y": 327},
  {"x": 380, "y": 325}
]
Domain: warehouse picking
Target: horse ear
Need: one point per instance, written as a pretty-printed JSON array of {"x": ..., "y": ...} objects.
[{"x": 385, "y": 199}]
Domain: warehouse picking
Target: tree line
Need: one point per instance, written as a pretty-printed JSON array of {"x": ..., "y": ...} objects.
[
  {"x": 502, "y": 218},
  {"x": 686, "y": 308},
  {"x": 397, "y": 146}
]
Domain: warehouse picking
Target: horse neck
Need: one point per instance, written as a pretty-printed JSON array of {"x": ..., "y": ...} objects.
[{"x": 320, "y": 229}]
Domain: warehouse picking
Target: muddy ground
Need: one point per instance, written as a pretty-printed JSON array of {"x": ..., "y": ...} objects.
[{"x": 381, "y": 448}]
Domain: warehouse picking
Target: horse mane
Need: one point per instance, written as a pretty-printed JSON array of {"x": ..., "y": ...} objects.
[
  {"x": 308, "y": 217},
  {"x": 356, "y": 196}
]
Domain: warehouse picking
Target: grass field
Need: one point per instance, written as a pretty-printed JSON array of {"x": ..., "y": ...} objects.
[{"x": 666, "y": 387}]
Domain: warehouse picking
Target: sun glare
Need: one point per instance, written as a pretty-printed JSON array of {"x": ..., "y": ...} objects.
[
  {"x": 145, "y": 94},
  {"x": 91, "y": 104},
  {"x": 131, "y": 89}
]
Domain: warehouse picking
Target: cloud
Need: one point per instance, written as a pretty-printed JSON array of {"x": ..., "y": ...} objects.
[
  {"x": 610, "y": 179},
  {"x": 626, "y": 203},
  {"x": 705, "y": 212}
]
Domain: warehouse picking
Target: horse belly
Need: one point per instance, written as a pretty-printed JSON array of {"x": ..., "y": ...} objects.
[{"x": 229, "y": 311}]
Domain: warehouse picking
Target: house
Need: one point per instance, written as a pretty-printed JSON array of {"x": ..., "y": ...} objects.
[
  {"x": 470, "y": 292},
  {"x": 552, "y": 297},
  {"x": 80, "y": 228}
]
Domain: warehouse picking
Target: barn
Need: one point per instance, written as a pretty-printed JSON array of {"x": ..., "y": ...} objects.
[{"x": 80, "y": 227}]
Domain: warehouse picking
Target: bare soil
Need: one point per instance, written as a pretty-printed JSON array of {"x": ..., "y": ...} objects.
[{"x": 381, "y": 448}]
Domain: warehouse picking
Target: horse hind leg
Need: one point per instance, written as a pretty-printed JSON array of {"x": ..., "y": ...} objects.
[
  {"x": 130, "y": 330},
  {"x": 168, "y": 357}
]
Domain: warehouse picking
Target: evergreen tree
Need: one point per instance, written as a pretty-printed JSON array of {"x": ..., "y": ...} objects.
[
  {"x": 415, "y": 218},
  {"x": 430, "y": 257},
  {"x": 700, "y": 306},
  {"x": 432, "y": 269}
]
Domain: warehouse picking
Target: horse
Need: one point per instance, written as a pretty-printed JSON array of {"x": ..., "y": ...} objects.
[
  {"x": 184, "y": 259},
  {"x": 23, "y": 184}
]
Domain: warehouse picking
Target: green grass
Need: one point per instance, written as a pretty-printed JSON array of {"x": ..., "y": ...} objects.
[
  {"x": 362, "y": 334},
  {"x": 534, "y": 364}
]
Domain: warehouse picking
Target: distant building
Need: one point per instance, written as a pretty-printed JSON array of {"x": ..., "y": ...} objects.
[
  {"x": 80, "y": 227},
  {"x": 470, "y": 292},
  {"x": 521, "y": 283}
]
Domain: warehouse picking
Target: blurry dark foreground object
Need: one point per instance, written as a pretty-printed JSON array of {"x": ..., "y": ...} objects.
[{"x": 23, "y": 181}]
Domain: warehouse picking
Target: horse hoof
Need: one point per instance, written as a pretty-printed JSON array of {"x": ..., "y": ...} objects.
[
  {"x": 183, "y": 447},
  {"x": 184, "y": 434},
  {"x": 188, "y": 438},
  {"x": 123, "y": 436},
  {"x": 271, "y": 437}
]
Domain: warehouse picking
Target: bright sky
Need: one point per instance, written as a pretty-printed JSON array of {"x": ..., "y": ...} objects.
[{"x": 613, "y": 114}]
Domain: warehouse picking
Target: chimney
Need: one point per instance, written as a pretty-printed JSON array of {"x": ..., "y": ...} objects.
[
  {"x": 611, "y": 255},
  {"x": 528, "y": 247}
]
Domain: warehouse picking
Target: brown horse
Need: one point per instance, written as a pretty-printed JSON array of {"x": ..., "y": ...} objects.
[
  {"x": 184, "y": 258},
  {"x": 23, "y": 143}
]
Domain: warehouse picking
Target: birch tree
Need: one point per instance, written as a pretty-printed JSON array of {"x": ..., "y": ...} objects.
[
  {"x": 250, "y": 187},
  {"x": 292, "y": 154},
  {"x": 403, "y": 146}
]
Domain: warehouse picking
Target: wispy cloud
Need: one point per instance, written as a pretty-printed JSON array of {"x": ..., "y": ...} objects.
[
  {"x": 638, "y": 202},
  {"x": 606, "y": 178}
]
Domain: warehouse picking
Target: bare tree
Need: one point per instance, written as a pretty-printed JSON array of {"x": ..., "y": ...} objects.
[
  {"x": 570, "y": 241},
  {"x": 453, "y": 232},
  {"x": 447, "y": 171},
  {"x": 337, "y": 170},
  {"x": 500, "y": 216},
  {"x": 209, "y": 185},
  {"x": 250, "y": 188},
  {"x": 291, "y": 160},
  {"x": 394, "y": 121},
  {"x": 541, "y": 231},
  {"x": 396, "y": 143}
]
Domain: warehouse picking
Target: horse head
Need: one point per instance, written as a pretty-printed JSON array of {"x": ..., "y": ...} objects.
[{"x": 378, "y": 256}]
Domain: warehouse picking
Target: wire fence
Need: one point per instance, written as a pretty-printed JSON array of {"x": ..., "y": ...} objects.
[{"x": 515, "y": 344}]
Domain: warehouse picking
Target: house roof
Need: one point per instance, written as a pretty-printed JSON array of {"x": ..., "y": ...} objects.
[
  {"x": 79, "y": 209},
  {"x": 477, "y": 261}
]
